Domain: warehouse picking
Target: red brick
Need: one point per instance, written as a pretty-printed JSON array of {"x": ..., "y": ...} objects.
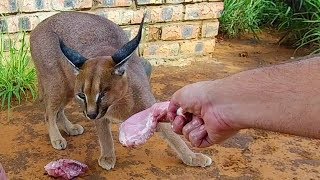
[
  {"x": 22, "y": 22},
  {"x": 112, "y": 3},
  {"x": 164, "y": 13},
  {"x": 195, "y": 0},
  {"x": 154, "y": 14},
  {"x": 137, "y": 16},
  {"x": 186, "y": 1},
  {"x": 64, "y": 5},
  {"x": 198, "y": 47},
  {"x": 33, "y": 6},
  {"x": 28, "y": 22},
  {"x": 144, "y": 2},
  {"x": 9, "y": 6},
  {"x": 205, "y": 10},
  {"x": 150, "y": 33},
  {"x": 209, "y": 45},
  {"x": 130, "y": 31},
  {"x": 12, "y": 23},
  {"x": 210, "y": 29},
  {"x": 161, "y": 49},
  {"x": 180, "y": 31},
  {"x": 154, "y": 33},
  {"x": 44, "y": 15},
  {"x": 120, "y": 16},
  {"x": 175, "y": 1},
  {"x": 3, "y": 25}
]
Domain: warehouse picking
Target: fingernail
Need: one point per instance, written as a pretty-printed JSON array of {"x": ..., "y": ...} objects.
[{"x": 180, "y": 112}]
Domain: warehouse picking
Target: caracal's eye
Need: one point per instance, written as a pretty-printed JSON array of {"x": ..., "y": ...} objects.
[
  {"x": 101, "y": 95},
  {"x": 81, "y": 96}
]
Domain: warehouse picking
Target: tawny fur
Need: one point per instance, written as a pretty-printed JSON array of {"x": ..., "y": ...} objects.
[{"x": 97, "y": 39}]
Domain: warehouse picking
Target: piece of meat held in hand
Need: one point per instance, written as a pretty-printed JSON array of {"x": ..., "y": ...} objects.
[{"x": 140, "y": 127}]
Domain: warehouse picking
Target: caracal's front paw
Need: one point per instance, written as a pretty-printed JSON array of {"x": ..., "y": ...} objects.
[
  {"x": 197, "y": 159},
  {"x": 107, "y": 162},
  {"x": 75, "y": 129},
  {"x": 59, "y": 144}
]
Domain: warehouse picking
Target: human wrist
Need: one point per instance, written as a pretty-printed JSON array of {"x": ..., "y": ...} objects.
[{"x": 237, "y": 99}]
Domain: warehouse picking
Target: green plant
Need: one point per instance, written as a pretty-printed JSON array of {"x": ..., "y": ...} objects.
[
  {"x": 242, "y": 16},
  {"x": 17, "y": 74},
  {"x": 277, "y": 15},
  {"x": 309, "y": 33},
  {"x": 298, "y": 20}
]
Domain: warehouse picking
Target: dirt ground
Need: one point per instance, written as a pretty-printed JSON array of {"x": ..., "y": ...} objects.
[{"x": 252, "y": 154}]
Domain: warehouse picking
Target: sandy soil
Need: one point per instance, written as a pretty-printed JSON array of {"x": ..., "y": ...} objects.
[{"x": 25, "y": 148}]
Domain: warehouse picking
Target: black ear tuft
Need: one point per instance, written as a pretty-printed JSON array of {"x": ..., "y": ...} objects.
[
  {"x": 74, "y": 57},
  {"x": 123, "y": 54}
]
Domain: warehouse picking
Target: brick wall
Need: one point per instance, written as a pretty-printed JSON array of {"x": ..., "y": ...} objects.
[{"x": 176, "y": 31}]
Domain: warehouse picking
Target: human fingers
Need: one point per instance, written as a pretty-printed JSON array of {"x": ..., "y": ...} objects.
[
  {"x": 178, "y": 123},
  {"x": 190, "y": 126},
  {"x": 172, "y": 109},
  {"x": 175, "y": 104},
  {"x": 202, "y": 138},
  {"x": 199, "y": 137}
]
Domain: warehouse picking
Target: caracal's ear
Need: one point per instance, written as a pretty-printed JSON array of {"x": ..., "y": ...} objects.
[
  {"x": 125, "y": 52},
  {"x": 74, "y": 57}
]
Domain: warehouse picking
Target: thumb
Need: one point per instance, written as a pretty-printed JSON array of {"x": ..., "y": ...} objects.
[{"x": 173, "y": 108}]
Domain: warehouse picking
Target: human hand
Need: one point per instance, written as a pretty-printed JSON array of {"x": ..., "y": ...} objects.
[{"x": 201, "y": 123}]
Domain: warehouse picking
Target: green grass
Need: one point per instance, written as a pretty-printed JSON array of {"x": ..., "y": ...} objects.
[
  {"x": 242, "y": 16},
  {"x": 298, "y": 21},
  {"x": 17, "y": 75},
  {"x": 310, "y": 25}
]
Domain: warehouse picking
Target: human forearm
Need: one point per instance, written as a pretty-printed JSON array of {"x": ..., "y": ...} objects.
[{"x": 283, "y": 98}]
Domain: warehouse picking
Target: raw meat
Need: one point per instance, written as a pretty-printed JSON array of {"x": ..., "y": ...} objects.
[
  {"x": 2, "y": 173},
  {"x": 65, "y": 168},
  {"x": 140, "y": 127}
]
